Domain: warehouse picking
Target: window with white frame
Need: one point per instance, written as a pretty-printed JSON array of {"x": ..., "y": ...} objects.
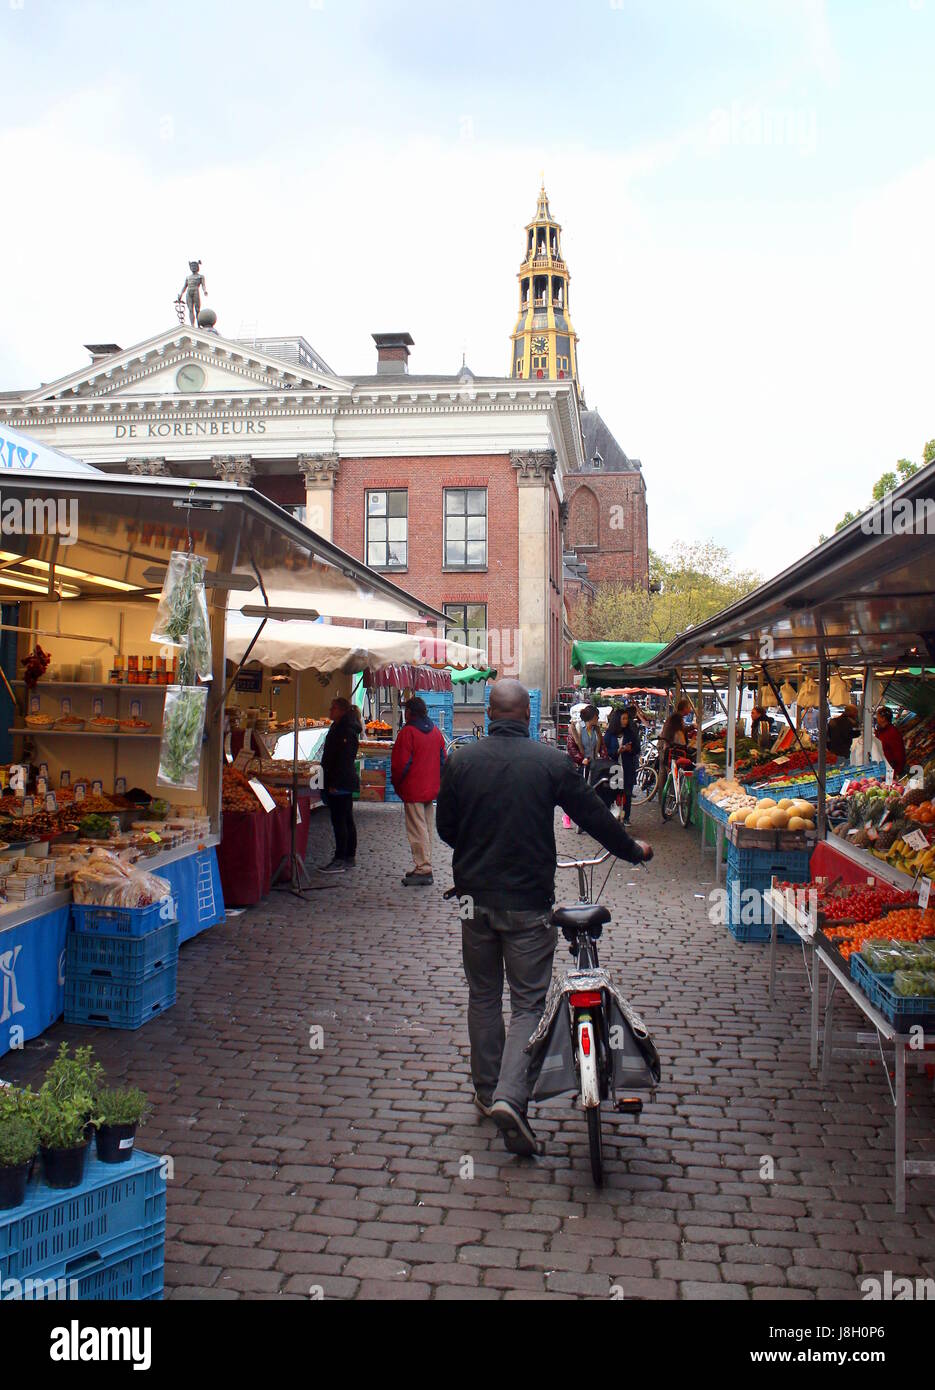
[
  {"x": 388, "y": 529},
  {"x": 465, "y": 527}
]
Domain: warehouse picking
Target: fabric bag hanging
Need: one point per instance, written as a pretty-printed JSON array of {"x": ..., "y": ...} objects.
[
  {"x": 787, "y": 694},
  {"x": 807, "y": 697},
  {"x": 838, "y": 693}
]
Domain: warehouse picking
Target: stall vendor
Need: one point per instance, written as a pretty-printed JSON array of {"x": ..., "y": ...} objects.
[
  {"x": 891, "y": 741},
  {"x": 842, "y": 730}
]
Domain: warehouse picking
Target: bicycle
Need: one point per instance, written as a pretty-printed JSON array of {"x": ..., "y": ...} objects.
[
  {"x": 677, "y": 792},
  {"x": 647, "y": 775},
  {"x": 595, "y": 1013}
]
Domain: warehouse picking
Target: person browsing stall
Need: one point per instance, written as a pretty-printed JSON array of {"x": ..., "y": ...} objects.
[
  {"x": 415, "y": 769},
  {"x": 340, "y": 781}
]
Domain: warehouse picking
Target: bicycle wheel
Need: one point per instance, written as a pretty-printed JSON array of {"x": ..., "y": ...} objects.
[
  {"x": 669, "y": 799},
  {"x": 685, "y": 802},
  {"x": 596, "y": 1145},
  {"x": 645, "y": 786}
]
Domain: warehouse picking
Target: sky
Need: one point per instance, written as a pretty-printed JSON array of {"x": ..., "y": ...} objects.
[{"x": 746, "y": 187}]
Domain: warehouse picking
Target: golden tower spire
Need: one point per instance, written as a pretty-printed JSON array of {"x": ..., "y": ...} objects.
[{"x": 544, "y": 341}]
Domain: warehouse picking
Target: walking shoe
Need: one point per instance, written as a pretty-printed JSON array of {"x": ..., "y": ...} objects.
[
  {"x": 484, "y": 1106},
  {"x": 418, "y": 880},
  {"x": 350, "y": 863},
  {"x": 517, "y": 1133},
  {"x": 337, "y": 866}
]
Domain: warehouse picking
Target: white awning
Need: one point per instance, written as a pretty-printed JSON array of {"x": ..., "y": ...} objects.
[
  {"x": 324, "y": 647},
  {"x": 20, "y": 454}
]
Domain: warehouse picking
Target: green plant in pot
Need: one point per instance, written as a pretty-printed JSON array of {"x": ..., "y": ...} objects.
[
  {"x": 65, "y": 1115},
  {"x": 120, "y": 1112},
  {"x": 19, "y": 1144}
]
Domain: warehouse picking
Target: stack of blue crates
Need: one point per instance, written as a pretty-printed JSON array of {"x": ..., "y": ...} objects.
[
  {"x": 104, "y": 1240},
  {"x": 535, "y": 712},
  {"x": 121, "y": 965},
  {"x": 441, "y": 708},
  {"x": 752, "y": 871}
]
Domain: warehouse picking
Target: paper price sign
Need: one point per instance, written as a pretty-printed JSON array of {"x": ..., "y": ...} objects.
[
  {"x": 120, "y": 786},
  {"x": 262, "y": 795},
  {"x": 845, "y": 787},
  {"x": 97, "y": 707},
  {"x": 889, "y": 775},
  {"x": 29, "y": 805},
  {"x": 925, "y": 890},
  {"x": 51, "y": 802},
  {"x": 136, "y": 709},
  {"x": 42, "y": 786},
  {"x": 97, "y": 788},
  {"x": 81, "y": 791},
  {"x": 917, "y": 840},
  {"x": 66, "y": 705},
  {"x": 64, "y": 779},
  {"x": 44, "y": 770},
  {"x": 34, "y": 704}
]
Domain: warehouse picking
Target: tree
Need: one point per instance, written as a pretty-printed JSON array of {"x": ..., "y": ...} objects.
[
  {"x": 690, "y": 584},
  {"x": 888, "y": 481}
]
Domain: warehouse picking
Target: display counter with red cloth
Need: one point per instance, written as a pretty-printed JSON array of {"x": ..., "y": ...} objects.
[
  {"x": 834, "y": 858},
  {"x": 254, "y": 844}
]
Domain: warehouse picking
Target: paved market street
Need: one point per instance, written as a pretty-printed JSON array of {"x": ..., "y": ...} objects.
[{"x": 342, "y": 1169}]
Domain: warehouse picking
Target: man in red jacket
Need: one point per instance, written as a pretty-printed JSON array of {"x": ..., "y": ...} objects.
[{"x": 416, "y": 769}]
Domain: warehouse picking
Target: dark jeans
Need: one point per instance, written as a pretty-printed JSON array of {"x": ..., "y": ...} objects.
[
  {"x": 342, "y": 823},
  {"x": 521, "y": 944}
]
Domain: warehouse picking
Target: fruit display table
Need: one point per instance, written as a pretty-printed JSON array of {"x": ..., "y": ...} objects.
[{"x": 906, "y": 1048}]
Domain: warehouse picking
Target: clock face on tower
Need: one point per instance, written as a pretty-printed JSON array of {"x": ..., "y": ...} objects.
[
  {"x": 190, "y": 377},
  {"x": 540, "y": 345}
]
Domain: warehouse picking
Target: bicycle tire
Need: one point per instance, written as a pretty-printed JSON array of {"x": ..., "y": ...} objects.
[
  {"x": 646, "y": 786},
  {"x": 668, "y": 800},
  {"x": 685, "y": 802},
  {"x": 596, "y": 1145}
]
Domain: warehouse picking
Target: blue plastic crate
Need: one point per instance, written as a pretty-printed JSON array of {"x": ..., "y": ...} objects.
[
  {"x": 129, "y": 1271},
  {"x": 904, "y": 1011},
  {"x": 51, "y": 1228},
  {"x": 122, "y": 959},
  {"x": 123, "y": 921},
  {"x": 108, "y": 1004},
  {"x": 753, "y": 931},
  {"x": 764, "y": 863}
]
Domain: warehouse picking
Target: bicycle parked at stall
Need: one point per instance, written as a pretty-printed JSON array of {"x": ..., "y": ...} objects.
[{"x": 677, "y": 792}]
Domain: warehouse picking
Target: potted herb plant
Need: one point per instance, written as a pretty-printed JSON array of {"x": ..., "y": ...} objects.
[
  {"x": 19, "y": 1144},
  {"x": 120, "y": 1112},
  {"x": 65, "y": 1114}
]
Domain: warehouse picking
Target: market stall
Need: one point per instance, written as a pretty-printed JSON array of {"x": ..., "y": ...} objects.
[{"x": 116, "y": 718}]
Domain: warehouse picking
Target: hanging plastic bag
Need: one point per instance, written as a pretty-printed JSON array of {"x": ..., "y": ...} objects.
[
  {"x": 195, "y": 660},
  {"x": 838, "y": 693},
  {"x": 788, "y": 694},
  {"x": 185, "y": 579},
  {"x": 807, "y": 697},
  {"x": 182, "y": 732}
]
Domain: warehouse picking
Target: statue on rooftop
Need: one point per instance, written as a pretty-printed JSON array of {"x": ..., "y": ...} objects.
[{"x": 192, "y": 290}]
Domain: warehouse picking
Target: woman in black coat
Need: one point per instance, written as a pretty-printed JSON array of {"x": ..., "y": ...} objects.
[
  {"x": 622, "y": 741},
  {"x": 340, "y": 781}
]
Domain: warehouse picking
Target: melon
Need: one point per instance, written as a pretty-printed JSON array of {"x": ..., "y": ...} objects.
[
  {"x": 785, "y": 804},
  {"x": 764, "y": 820},
  {"x": 802, "y": 808},
  {"x": 766, "y": 803},
  {"x": 798, "y": 823},
  {"x": 736, "y": 817},
  {"x": 750, "y": 820},
  {"x": 779, "y": 818}
]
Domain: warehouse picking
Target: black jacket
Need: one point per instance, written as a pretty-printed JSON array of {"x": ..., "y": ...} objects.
[
  {"x": 338, "y": 757},
  {"x": 496, "y": 808}
]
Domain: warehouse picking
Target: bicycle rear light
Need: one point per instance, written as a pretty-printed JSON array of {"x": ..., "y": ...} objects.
[{"x": 591, "y": 999}]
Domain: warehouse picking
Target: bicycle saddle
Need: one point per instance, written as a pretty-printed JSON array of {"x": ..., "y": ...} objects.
[{"x": 589, "y": 917}]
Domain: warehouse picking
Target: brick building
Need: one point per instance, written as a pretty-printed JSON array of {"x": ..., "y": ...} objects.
[{"x": 607, "y": 520}]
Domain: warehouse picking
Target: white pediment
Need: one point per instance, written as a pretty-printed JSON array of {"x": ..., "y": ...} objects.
[{"x": 188, "y": 362}]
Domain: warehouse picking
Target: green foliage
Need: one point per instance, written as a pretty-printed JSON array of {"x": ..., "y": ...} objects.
[
  {"x": 62, "y": 1121},
  {"x": 687, "y": 586},
  {"x": 16, "y": 1103},
  {"x": 19, "y": 1142},
  {"x": 124, "y": 1105},
  {"x": 905, "y": 468},
  {"x": 69, "y": 1076}
]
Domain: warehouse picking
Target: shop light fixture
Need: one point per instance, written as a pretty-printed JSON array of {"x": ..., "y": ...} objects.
[
  {"x": 8, "y": 557},
  {"x": 14, "y": 581}
]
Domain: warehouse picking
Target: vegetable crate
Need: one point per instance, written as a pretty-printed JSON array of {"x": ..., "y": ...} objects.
[
  {"x": 108, "y": 1234},
  {"x": 904, "y": 1011},
  {"x": 122, "y": 959},
  {"x": 122, "y": 921},
  {"x": 740, "y": 887},
  {"x": 105, "y": 1003},
  {"x": 441, "y": 708},
  {"x": 745, "y": 841},
  {"x": 763, "y": 862}
]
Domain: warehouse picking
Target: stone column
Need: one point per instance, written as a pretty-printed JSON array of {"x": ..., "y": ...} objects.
[
  {"x": 534, "y": 473},
  {"x": 320, "y": 472},
  {"x": 234, "y": 468},
  {"x": 148, "y": 468}
]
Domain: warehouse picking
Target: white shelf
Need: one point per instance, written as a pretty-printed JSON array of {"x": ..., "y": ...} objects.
[
  {"x": 88, "y": 685},
  {"x": 82, "y": 733}
]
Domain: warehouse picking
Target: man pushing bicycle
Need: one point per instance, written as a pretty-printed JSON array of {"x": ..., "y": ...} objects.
[{"x": 496, "y": 809}]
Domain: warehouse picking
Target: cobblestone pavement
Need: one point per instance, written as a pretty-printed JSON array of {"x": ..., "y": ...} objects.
[{"x": 340, "y": 1169}]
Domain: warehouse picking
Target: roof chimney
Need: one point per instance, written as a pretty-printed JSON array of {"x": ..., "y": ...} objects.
[
  {"x": 392, "y": 353},
  {"x": 99, "y": 351}
]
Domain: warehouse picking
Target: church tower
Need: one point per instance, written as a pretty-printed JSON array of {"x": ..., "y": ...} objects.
[{"x": 544, "y": 342}]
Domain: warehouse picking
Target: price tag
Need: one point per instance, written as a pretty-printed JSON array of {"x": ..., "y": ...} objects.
[
  {"x": 42, "y": 786},
  {"x": 262, "y": 795},
  {"x": 120, "y": 786},
  {"x": 81, "y": 792},
  {"x": 51, "y": 802},
  {"x": 136, "y": 709},
  {"x": 917, "y": 840},
  {"x": 29, "y": 805},
  {"x": 97, "y": 707},
  {"x": 228, "y": 757},
  {"x": 156, "y": 839},
  {"x": 44, "y": 770},
  {"x": 925, "y": 889},
  {"x": 34, "y": 704},
  {"x": 64, "y": 778},
  {"x": 889, "y": 775},
  {"x": 845, "y": 787},
  {"x": 97, "y": 788},
  {"x": 66, "y": 705},
  {"x": 779, "y": 761}
]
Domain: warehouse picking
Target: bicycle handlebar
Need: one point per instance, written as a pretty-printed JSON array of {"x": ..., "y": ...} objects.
[{"x": 582, "y": 863}]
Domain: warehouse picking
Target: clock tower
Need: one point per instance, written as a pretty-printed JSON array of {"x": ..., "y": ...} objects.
[{"x": 544, "y": 342}]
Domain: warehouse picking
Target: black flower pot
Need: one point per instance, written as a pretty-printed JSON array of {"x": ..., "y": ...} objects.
[
  {"x": 13, "y": 1185},
  {"x": 115, "y": 1143},
  {"x": 65, "y": 1167}
]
